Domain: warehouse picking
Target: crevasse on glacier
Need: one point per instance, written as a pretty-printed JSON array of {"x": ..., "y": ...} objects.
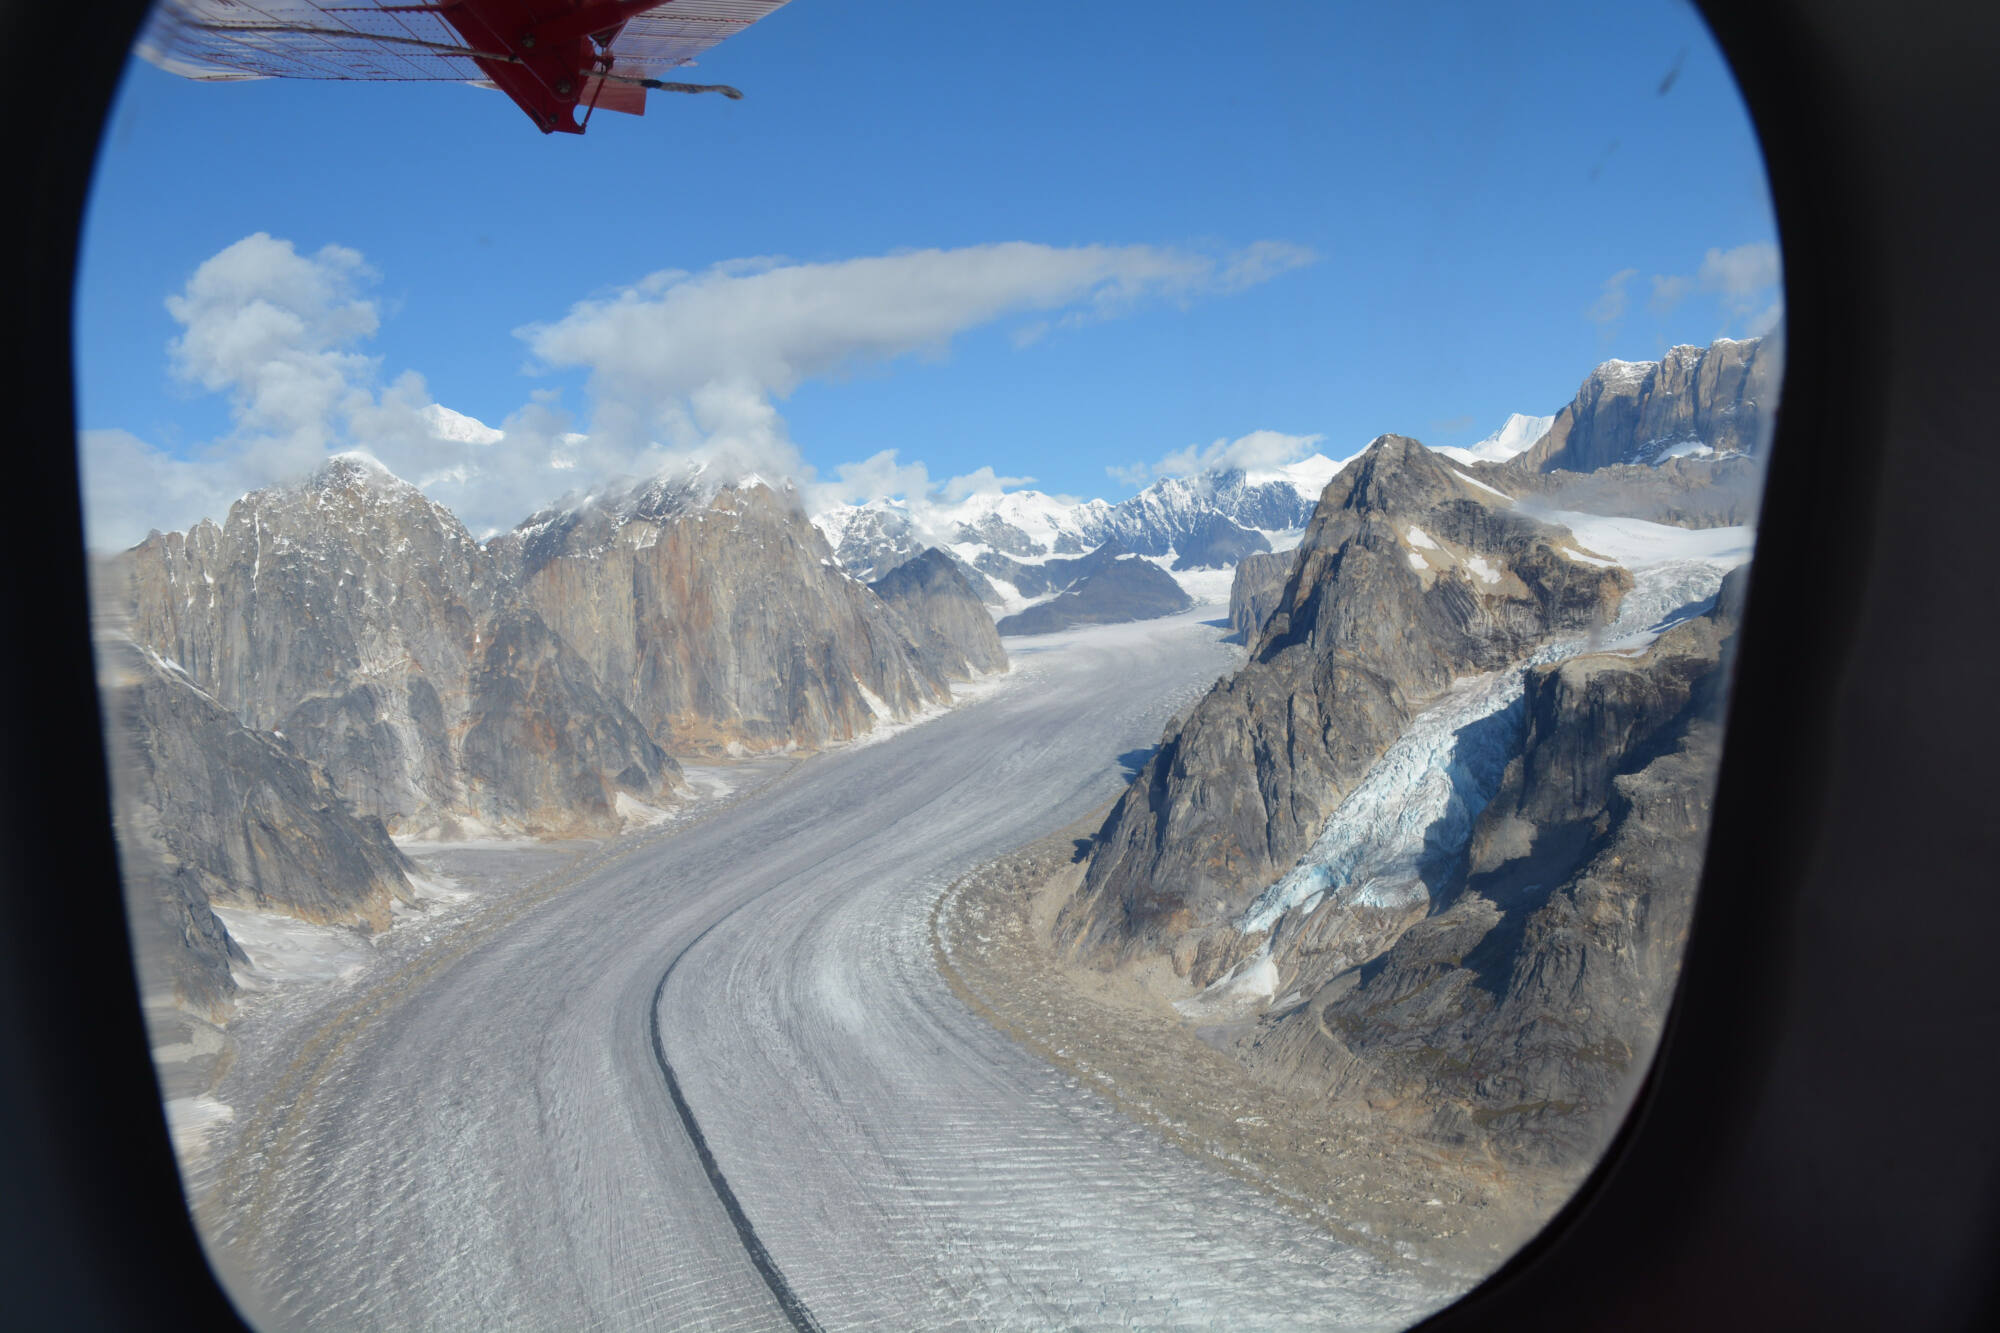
[{"x": 1407, "y": 822}]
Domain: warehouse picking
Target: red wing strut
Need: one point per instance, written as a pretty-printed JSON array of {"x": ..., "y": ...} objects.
[{"x": 553, "y": 57}]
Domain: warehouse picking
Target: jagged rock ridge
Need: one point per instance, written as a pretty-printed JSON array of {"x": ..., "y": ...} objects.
[
  {"x": 208, "y": 812},
  {"x": 1254, "y": 592},
  {"x": 1678, "y": 441},
  {"x": 1408, "y": 577},
  {"x": 538, "y": 682},
  {"x": 720, "y": 617},
  {"x": 934, "y": 596},
  {"x": 1692, "y": 402},
  {"x": 1518, "y": 1015},
  {"x": 358, "y": 618}
]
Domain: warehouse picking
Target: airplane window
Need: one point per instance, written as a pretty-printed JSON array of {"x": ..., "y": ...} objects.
[{"x": 822, "y": 665}]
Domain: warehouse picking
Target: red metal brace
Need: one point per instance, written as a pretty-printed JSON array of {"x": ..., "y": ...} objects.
[{"x": 552, "y": 46}]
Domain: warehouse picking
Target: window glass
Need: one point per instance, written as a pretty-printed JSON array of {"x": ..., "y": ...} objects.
[{"x": 1050, "y": 667}]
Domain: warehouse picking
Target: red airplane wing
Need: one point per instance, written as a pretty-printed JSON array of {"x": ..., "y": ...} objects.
[{"x": 553, "y": 57}]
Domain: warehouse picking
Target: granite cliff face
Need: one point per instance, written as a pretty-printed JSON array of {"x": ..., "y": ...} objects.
[
  {"x": 355, "y": 617},
  {"x": 1432, "y": 852},
  {"x": 1409, "y": 576},
  {"x": 719, "y": 617},
  {"x": 1253, "y": 594},
  {"x": 341, "y": 612},
  {"x": 1694, "y": 401},
  {"x": 208, "y": 812},
  {"x": 536, "y": 683},
  {"x": 534, "y": 695},
  {"x": 936, "y": 600},
  {"x": 1517, "y": 1018}
]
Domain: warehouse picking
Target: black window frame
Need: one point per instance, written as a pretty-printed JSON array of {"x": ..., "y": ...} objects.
[{"x": 1814, "y": 1144}]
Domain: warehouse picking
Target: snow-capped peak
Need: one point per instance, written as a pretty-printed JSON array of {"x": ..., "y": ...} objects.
[
  {"x": 353, "y": 467},
  {"x": 445, "y": 424},
  {"x": 1519, "y": 432},
  {"x": 1622, "y": 373},
  {"x": 1308, "y": 475},
  {"x": 1515, "y": 436}
]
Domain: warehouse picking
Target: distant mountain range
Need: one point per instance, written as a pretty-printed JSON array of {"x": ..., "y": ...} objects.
[{"x": 1205, "y": 521}]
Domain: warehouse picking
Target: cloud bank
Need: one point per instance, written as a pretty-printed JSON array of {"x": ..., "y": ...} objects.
[
  {"x": 679, "y": 367},
  {"x": 699, "y": 361},
  {"x": 1746, "y": 283},
  {"x": 1260, "y": 449}
]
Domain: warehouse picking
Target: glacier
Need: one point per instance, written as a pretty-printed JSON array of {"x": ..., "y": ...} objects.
[{"x": 1406, "y": 824}]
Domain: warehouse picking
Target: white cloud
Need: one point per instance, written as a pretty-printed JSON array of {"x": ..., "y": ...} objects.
[
  {"x": 1260, "y": 261},
  {"x": 1669, "y": 290},
  {"x": 1258, "y": 449},
  {"x": 1746, "y": 282},
  {"x": 1742, "y": 275},
  {"x": 689, "y": 356},
  {"x": 280, "y": 333},
  {"x": 275, "y": 330},
  {"x": 1609, "y": 307},
  {"x": 980, "y": 481},
  {"x": 131, "y": 488},
  {"x": 881, "y": 476},
  {"x": 1767, "y": 322},
  {"x": 681, "y": 366}
]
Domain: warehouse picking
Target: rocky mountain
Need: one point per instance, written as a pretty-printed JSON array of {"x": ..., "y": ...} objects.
[
  {"x": 339, "y": 660},
  {"x": 1693, "y": 402},
  {"x": 872, "y": 539},
  {"x": 1518, "y": 1015},
  {"x": 1211, "y": 519},
  {"x": 1254, "y": 592},
  {"x": 536, "y": 683},
  {"x": 1679, "y": 440},
  {"x": 362, "y": 622},
  {"x": 1432, "y": 849},
  {"x": 1109, "y": 586},
  {"x": 1409, "y": 576},
  {"x": 933, "y": 595},
  {"x": 718, "y": 615},
  {"x": 532, "y": 694},
  {"x": 210, "y": 813},
  {"x": 1214, "y": 542}
]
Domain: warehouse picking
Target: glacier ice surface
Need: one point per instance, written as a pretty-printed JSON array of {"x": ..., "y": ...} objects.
[{"x": 1403, "y": 828}]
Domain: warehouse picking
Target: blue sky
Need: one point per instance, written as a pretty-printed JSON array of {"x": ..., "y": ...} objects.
[{"x": 1157, "y": 225}]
